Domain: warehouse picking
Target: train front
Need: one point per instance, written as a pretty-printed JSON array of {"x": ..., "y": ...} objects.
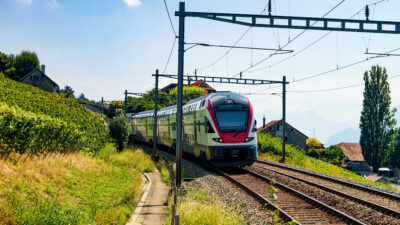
[{"x": 234, "y": 143}]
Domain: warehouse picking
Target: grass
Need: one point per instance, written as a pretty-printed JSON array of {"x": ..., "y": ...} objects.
[
  {"x": 270, "y": 148},
  {"x": 72, "y": 189},
  {"x": 201, "y": 208}
]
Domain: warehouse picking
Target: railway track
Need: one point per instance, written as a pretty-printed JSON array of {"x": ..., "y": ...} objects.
[
  {"x": 383, "y": 202},
  {"x": 292, "y": 204}
]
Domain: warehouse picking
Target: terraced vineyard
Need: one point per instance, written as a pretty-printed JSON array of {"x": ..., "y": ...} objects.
[{"x": 48, "y": 122}]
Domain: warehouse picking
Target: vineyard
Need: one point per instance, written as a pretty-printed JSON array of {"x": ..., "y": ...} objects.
[{"x": 47, "y": 122}]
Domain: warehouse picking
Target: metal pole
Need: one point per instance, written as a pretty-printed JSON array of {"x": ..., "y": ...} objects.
[
  {"x": 155, "y": 117},
  {"x": 283, "y": 119},
  {"x": 181, "y": 52},
  {"x": 126, "y": 101}
]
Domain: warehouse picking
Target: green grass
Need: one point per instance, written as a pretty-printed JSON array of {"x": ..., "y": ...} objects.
[
  {"x": 270, "y": 148},
  {"x": 72, "y": 189},
  {"x": 201, "y": 208}
]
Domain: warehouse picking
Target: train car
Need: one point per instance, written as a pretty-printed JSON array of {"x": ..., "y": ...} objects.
[{"x": 217, "y": 128}]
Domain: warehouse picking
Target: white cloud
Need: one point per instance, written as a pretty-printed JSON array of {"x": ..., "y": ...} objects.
[{"x": 133, "y": 3}]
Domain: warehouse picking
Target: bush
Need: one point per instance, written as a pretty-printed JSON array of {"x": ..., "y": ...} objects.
[
  {"x": 119, "y": 131},
  {"x": 313, "y": 143},
  {"x": 45, "y": 104},
  {"x": 26, "y": 132},
  {"x": 334, "y": 154}
]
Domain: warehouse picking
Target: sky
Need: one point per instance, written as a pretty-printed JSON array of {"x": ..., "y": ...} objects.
[{"x": 103, "y": 47}]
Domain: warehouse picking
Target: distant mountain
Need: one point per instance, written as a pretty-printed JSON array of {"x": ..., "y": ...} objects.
[{"x": 348, "y": 135}]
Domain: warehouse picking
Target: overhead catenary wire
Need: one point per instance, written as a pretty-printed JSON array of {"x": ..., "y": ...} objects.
[
  {"x": 314, "y": 42},
  {"x": 169, "y": 17},
  {"x": 170, "y": 54},
  {"x": 234, "y": 44},
  {"x": 289, "y": 42}
]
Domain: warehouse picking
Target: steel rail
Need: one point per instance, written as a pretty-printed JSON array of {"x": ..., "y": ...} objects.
[
  {"x": 382, "y": 209},
  {"x": 260, "y": 198},
  {"x": 350, "y": 184},
  {"x": 309, "y": 199}
]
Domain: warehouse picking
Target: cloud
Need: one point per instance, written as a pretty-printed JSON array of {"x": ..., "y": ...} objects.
[{"x": 130, "y": 3}]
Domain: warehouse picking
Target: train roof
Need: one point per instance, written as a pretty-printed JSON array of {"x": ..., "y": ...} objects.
[{"x": 172, "y": 109}]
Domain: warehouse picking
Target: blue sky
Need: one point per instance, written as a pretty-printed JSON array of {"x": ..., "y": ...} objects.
[{"x": 103, "y": 47}]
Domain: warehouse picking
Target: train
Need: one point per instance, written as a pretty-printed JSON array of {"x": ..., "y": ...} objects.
[{"x": 218, "y": 128}]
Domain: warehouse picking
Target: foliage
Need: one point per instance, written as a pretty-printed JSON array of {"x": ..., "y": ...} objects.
[
  {"x": 333, "y": 154},
  {"x": 82, "y": 97},
  {"x": 71, "y": 189},
  {"x": 24, "y": 63},
  {"x": 146, "y": 102},
  {"x": 7, "y": 65},
  {"x": 199, "y": 207},
  {"x": 313, "y": 143},
  {"x": 376, "y": 122},
  {"x": 25, "y": 132},
  {"x": 270, "y": 148},
  {"x": 140, "y": 160},
  {"x": 68, "y": 92},
  {"x": 36, "y": 105},
  {"x": 394, "y": 156},
  {"x": 119, "y": 131}
]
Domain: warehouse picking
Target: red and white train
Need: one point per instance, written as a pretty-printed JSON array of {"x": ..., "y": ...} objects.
[{"x": 219, "y": 128}]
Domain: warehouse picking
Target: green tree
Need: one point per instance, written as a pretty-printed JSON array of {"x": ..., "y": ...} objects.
[
  {"x": 82, "y": 97},
  {"x": 394, "y": 156},
  {"x": 24, "y": 63},
  {"x": 6, "y": 65},
  {"x": 119, "y": 131},
  {"x": 189, "y": 93},
  {"x": 68, "y": 91},
  {"x": 376, "y": 122}
]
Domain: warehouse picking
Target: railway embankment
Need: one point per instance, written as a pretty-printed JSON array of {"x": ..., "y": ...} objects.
[{"x": 73, "y": 188}]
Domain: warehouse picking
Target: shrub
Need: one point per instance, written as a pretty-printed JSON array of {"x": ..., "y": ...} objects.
[
  {"x": 45, "y": 104},
  {"x": 25, "y": 132},
  {"x": 334, "y": 154},
  {"x": 119, "y": 131},
  {"x": 313, "y": 143}
]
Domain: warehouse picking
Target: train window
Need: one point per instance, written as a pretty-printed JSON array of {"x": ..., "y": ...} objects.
[
  {"x": 202, "y": 103},
  {"x": 209, "y": 129}
]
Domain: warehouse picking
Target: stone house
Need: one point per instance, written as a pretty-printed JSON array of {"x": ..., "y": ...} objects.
[
  {"x": 293, "y": 136},
  {"x": 39, "y": 79}
]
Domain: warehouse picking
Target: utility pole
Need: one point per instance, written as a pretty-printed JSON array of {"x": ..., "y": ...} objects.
[
  {"x": 155, "y": 117},
  {"x": 126, "y": 101},
  {"x": 283, "y": 119},
  {"x": 181, "y": 52}
]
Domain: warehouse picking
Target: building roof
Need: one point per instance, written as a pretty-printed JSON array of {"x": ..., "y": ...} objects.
[
  {"x": 202, "y": 84},
  {"x": 23, "y": 78},
  {"x": 273, "y": 122},
  {"x": 352, "y": 151}
]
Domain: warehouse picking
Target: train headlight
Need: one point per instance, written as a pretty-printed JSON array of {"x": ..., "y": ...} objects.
[
  {"x": 248, "y": 139},
  {"x": 219, "y": 140}
]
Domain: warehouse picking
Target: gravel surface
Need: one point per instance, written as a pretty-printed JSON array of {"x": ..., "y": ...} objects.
[
  {"x": 337, "y": 178},
  {"x": 252, "y": 211},
  {"x": 378, "y": 199},
  {"x": 359, "y": 212}
]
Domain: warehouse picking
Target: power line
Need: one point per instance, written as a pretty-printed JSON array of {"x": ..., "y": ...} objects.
[
  {"x": 337, "y": 88},
  {"x": 289, "y": 41},
  {"x": 169, "y": 17},
  {"x": 170, "y": 54},
  {"x": 235, "y": 43},
  {"x": 313, "y": 43}
]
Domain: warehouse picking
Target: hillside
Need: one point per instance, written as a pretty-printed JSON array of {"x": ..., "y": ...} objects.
[{"x": 40, "y": 116}]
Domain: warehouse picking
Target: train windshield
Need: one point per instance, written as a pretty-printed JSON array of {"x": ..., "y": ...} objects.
[{"x": 232, "y": 121}]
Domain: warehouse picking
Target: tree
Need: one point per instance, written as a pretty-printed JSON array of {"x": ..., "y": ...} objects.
[
  {"x": 376, "y": 121},
  {"x": 119, "y": 131},
  {"x": 189, "y": 93},
  {"x": 68, "y": 91},
  {"x": 24, "y": 63},
  {"x": 394, "y": 156},
  {"x": 82, "y": 97},
  {"x": 6, "y": 65}
]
